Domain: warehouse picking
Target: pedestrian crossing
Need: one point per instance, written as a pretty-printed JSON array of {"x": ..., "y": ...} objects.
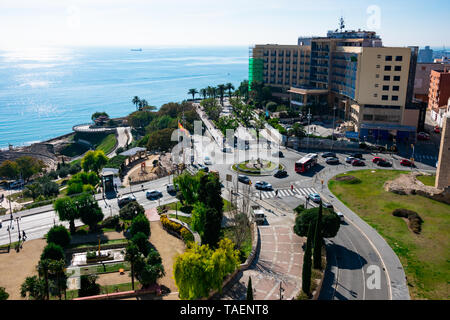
[{"x": 282, "y": 193}]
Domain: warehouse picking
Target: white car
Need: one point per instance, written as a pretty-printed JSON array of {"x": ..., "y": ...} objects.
[
  {"x": 207, "y": 161},
  {"x": 340, "y": 215},
  {"x": 152, "y": 194}
]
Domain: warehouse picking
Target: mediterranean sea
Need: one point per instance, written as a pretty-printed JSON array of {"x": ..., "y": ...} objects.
[{"x": 46, "y": 91}]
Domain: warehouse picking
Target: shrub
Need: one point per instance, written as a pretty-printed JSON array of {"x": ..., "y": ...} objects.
[
  {"x": 63, "y": 172},
  {"x": 59, "y": 235},
  {"x": 88, "y": 287},
  {"x": 414, "y": 220},
  {"x": 52, "y": 175},
  {"x": 186, "y": 235},
  {"x": 111, "y": 222},
  {"x": 141, "y": 241},
  {"x": 131, "y": 210},
  {"x": 330, "y": 222}
]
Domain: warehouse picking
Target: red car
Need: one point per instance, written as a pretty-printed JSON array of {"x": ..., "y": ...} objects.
[
  {"x": 406, "y": 163},
  {"x": 423, "y": 136},
  {"x": 376, "y": 159},
  {"x": 358, "y": 163}
]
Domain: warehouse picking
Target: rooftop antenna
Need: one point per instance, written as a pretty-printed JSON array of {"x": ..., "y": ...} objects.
[{"x": 341, "y": 23}]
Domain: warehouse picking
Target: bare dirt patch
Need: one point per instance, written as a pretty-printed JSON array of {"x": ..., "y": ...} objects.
[{"x": 16, "y": 266}]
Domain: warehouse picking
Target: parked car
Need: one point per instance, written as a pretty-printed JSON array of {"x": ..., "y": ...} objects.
[
  {"x": 376, "y": 159},
  {"x": 329, "y": 155},
  {"x": 262, "y": 185},
  {"x": 333, "y": 160},
  {"x": 358, "y": 163},
  {"x": 340, "y": 215},
  {"x": 350, "y": 159},
  {"x": 406, "y": 163},
  {"x": 153, "y": 194},
  {"x": 357, "y": 155},
  {"x": 16, "y": 184},
  {"x": 423, "y": 136},
  {"x": 280, "y": 174},
  {"x": 314, "y": 197},
  {"x": 207, "y": 161},
  {"x": 243, "y": 179},
  {"x": 384, "y": 163},
  {"x": 171, "y": 188},
  {"x": 124, "y": 200}
]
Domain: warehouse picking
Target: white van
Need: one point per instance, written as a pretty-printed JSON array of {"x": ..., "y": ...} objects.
[
  {"x": 258, "y": 215},
  {"x": 340, "y": 215}
]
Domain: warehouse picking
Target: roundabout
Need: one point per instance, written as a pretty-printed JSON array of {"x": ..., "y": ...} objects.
[{"x": 257, "y": 167}]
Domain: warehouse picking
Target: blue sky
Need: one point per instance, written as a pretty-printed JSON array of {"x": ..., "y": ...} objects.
[{"x": 209, "y": 22}]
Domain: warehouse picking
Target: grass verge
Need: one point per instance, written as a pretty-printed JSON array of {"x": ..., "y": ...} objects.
[{"x": 425, "y": 257}]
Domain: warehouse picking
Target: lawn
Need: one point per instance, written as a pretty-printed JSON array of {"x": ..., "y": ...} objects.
[
  {"x": 108, "y": 143},
  {"x": 427, "y": 180},
  {"x": 425, "y": 257},
  {"x": 246, "y": 246},
  {"x": 74, "y": 149}
]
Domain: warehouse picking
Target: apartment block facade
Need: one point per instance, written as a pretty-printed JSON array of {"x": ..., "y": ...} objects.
[
  {"x": 439, "y": 93},
  {"x": 369, "y": 85},
  {"x": 422, "y": 79}
]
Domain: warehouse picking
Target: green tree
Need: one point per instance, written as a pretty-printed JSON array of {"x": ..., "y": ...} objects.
[
  {"x": 200, "y": 269},
  {"x": 58, "y": 277},
  {"x": 131, "y": 210},
  {"x": 33, "y": 190},
  {"x": 52, "y": 251},
  {"x": 34, "y": 287},
  {"x": 88, "y": 286},
  {"x": 249, "y": 289},
  {"x": 198, "y": 217},
  {"x": 149, "y": 269},
  {"x": 221, "y": 92},
  {"x": 203, "y": 93},
  {"x": 98, "y": 114},
  {"x": 141, "y": 241},
  {"x": 243, "y": 89},
  {"x": 90, "y": 212},
  {"x": 317, "y": 255},
  {"x": 161, "y": 140},
  {"x": 229, "y": 86},
  {"x": 43, "y": 269},
  {"x": 330, "y": 222},
  {"x": 189, "y": 187},
  {"x": 211, "y": 234},
  {"x": 67, "y": 211},
  {"x": 59, "y": 235},
  {"x": 132, "y": 255},
  {"x": 140, "y": 224},
  {"x": 136, "y": 101},
  {"x": 94, "y": 160},
  {"x": 3, "y": 294},
  {"x": 212, "y": 108},
  {"x": 306, "y": 272},
  {"x": 29, "y": 166},
  {"x": 210, "y": 192},
  {"x": 193, "y": 92},
  {"x": 9, "y": 169}
]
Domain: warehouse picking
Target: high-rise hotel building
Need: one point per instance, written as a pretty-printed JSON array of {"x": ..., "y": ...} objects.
[{"x": 369, "y": 85}]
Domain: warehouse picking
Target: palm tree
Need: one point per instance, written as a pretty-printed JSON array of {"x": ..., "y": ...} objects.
[
  {"x": 229, "y": 86},
  {"x": 144, "y": 104},
  {"x": 210, "y": 91},
  {"x": 136, "y": 101},
  {"x": 132, "y": 255},
  {"x": 259, "y": 125},
  {"x": 221, "y": 92},
  {"x": 204, "y": 92},
  {"x": 193, "y": 92},
  {"x": 43, "y": 267},
  {"x": 56, "y": 267}
]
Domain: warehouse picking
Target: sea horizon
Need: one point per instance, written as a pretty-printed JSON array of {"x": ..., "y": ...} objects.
[{"x": 45, "y": 91}]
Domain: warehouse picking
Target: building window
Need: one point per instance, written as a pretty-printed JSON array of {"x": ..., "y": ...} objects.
[
  {"x": 385, "y": 88},
  {"x": 398, "y": 68},
  {"x": 368, "y": 117},
  {"x": 399, "y": 58},
  {"x": 387, "y": 68},
  {"x": 396, "y": 78},
  {"x": 387, "y": 78},
  {"x": 376, "y": 85},
  {"x": 385, "y": 98},
  {"x": 394, "y": 98},
  {"x": 395, "y": 88},
  {"x": 379, "y": 56},
  {"x": 377, "y": 76},
  {"x": 388, "y": 58},
  {"x": 378, "y": 66},
  {"x": 375, "y": 95}
]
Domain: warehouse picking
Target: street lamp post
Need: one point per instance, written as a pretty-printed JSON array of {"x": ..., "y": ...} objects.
[
  {"x": 309, "y": 123},
  {"x": 18, "y": 231},
  {"x": 9, "y": 232}
]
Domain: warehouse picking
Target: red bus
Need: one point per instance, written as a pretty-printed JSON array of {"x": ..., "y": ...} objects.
[{"x": 305, "y": 163}]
